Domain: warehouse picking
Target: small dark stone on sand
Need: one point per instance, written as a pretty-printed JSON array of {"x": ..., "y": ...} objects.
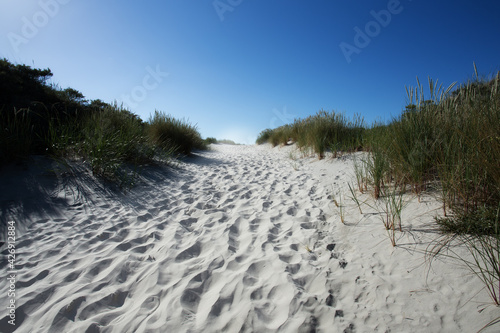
[
  {"x": 309, "y": 326},
  {"x": 330, "y": 247},
  {"x": 350, "y": 329},
  {"x": 339, "y": 313},
  {"x": 330, "y": 300}
]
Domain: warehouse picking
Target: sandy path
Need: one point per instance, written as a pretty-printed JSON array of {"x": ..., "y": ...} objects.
[{"x": 238, "y": 239}]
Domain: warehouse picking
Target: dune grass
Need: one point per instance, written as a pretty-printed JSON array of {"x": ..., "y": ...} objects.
[
  {"x": 454, "y": 139},
  {"x": 167, "y": 132},
  {"x": 220, "y": 141},
  {"x": 110, "y": 139},
  {"x": 16, "y": 135},
  {"x": 321, "y": 132},
  {"x": 39, "y": 118},
  {"x": 447, "y": 142},
  {"x": 264, "y": 136},
  {"x": 354, "y": 197},
  {"x": 210, "y": 140}
]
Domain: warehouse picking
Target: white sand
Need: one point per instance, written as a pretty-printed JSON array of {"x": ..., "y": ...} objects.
[{"x": 234, "y": 240}]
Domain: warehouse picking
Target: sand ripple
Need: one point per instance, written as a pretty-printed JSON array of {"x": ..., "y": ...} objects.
[{"x": 236, "y": 240}]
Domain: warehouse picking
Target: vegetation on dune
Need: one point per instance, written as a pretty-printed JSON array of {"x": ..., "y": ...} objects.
[
  {"x": 453, "y": 140},
  {"x": 320, "y": 132},
  {"x": 39, "y": 118},
  {"x": 227, "y": 142},
  {"x": 449, "y": 142},
  {"x": 167, "y": 132},
  {"x": 210, "y": 140},
  {"x": 217, "y": 141}
]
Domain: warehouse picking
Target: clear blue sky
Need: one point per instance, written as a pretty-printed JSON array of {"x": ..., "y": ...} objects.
[{"x": 236, "y": 67}]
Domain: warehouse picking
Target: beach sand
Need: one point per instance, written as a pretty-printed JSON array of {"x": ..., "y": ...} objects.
[{"x": 235, "y": 239}]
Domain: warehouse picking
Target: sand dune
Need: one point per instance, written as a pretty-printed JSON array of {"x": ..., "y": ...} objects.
[{"x": 237, "y": 239}]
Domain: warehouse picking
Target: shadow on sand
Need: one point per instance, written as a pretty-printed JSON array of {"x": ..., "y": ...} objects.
[{"x": 42, "y": 188}]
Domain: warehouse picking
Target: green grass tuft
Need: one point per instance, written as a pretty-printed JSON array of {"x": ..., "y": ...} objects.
[{"x": 169, "y": 133}]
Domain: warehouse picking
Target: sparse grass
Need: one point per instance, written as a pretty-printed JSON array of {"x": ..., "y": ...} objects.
[
  {"x": 341, "y": 207},
  {"x": 377, "y": 169},
  {"x": 354, "y": 197},
  {"x": 361, "y": 174},
  {"x": 481, "y": 237},
  {"x": 391, "y": 204},
  {"x": 339, "y": 204},
  {"x": 485, "y": 251},
  {"x": 294, "y": 164}
]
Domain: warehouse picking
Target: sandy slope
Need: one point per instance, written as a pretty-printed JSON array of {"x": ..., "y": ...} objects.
[{"x": 238, "y": 239}]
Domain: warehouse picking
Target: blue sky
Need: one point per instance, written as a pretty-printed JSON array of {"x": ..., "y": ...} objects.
[{"x": 236, "y": 67}]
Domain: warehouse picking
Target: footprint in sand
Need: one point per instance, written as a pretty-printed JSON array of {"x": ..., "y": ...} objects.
[
  {"x": 99, "y": 267},
  {"x": 190, "y": 253},
  {"x": 187, "y": 223},
  {"x": 190, "y": 300},
  {"x": 68, "y": 312},
  {"x": 113, "y": 300},
  {"x": 40, "y": 276}
]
